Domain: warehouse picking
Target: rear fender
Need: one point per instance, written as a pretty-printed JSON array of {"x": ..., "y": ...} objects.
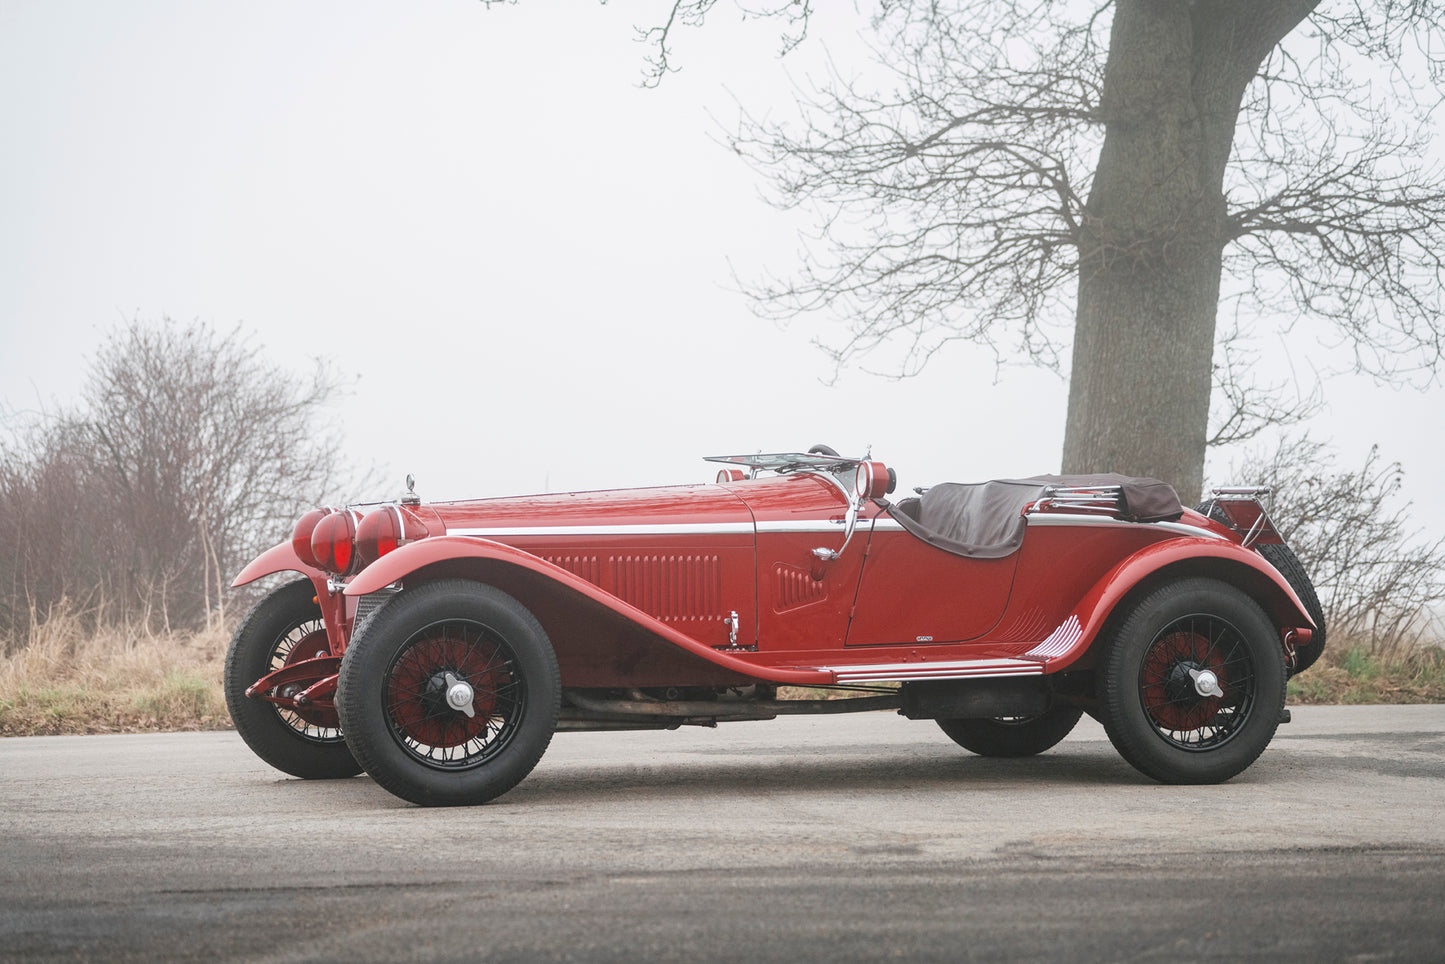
[
  {"x": 1163, "y": 561},
  {"x": 442, "y": 553}
]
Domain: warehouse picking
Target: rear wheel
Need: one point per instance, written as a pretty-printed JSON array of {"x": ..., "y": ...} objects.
[
  {"x": 1013, "y": 736},
  {"x": 449, "y": 694},
  {"x": 283, "y": 628},
  {"x": 1192, "y": 684}
]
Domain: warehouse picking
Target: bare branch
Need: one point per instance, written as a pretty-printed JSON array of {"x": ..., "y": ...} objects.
[
  {"x": 1242, "y": 408},
  {"x": 947, "y": 211},
  {"x": 949, "y": 190},
  {"x": 795, "y": 15}
]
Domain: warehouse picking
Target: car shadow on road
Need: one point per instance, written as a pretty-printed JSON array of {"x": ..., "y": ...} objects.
[
  {"x": 815, "y": 771},
  {"x": 832, "y": 770}
]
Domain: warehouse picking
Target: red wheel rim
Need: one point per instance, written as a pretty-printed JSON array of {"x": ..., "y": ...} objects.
[
  {"x": 1171, "y": 691},
  {"x": 415, "y": 694},
  {"x": 316, "y": 723},
  {"x": 1164, "y": 662}
]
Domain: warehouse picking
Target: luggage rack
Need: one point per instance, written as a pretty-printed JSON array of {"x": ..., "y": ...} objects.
[
  {"x": 1080, "y": 498},
  {"x": 1234, "y": 493},
  {"x": 1241, "y": 508}
]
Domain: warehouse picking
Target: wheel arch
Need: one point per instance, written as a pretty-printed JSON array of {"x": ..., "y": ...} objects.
[{"x": 1113, "y": 596}]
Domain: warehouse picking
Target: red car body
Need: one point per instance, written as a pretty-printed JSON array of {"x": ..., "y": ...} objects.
[{"x": 692, "y": 604}]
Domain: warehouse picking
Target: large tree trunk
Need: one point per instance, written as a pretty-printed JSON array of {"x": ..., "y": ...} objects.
[{"x": 1154, "y": 232}]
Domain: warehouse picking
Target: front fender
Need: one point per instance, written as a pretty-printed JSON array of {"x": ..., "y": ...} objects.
[
  {"x": 279, "y": 558},
  {"x": 395, "y": 566},
  {"x": 1180, "y": 558},
  {"x": 282, "y": 558}
]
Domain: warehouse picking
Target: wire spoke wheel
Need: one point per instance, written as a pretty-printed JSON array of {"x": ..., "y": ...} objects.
[
  {"x": 1174, "y": 682},
  {"x": 431, "y": 665},
  {"x": 449, "y": 694},
  {"x": 283, "y": 629},
  {"x": 303, "y": 641},
  {"x": 1191, "y": 684}
]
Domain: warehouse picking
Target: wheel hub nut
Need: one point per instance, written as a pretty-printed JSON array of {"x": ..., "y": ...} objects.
[
  {"x": 460, "y": 695},
  {"x": 1206, "y": 683}
]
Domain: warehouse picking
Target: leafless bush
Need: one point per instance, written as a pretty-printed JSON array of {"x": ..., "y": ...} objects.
[
  {"x": 1378, "y": 580},
  {"x": 184, "y": 454}
]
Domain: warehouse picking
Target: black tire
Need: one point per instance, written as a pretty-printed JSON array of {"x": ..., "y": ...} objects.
[
  {"x": 1282, "y": 557},
  {"x": 284, "y": 624},
  {"x": 1010, "y": 737},
  {"x": 1150, "y": 677},
  {"x": 430, "y": 642}
]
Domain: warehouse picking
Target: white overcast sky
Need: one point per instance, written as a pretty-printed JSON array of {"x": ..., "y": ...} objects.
[{"x": 525, "y": 258}]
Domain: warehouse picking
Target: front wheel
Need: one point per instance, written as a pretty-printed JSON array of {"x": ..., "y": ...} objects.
[
  {"x": 1013, "y": 736},
  {"x": 1192, "y": 684},
  {"x": 449, "y": 694},
  {"x": 284, "y": 628}
]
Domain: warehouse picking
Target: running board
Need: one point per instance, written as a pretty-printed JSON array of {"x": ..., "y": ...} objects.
[{"x": 960, "y": 669}]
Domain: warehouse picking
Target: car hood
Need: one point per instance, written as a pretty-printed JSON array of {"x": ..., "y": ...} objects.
[{"x": 639, "y": 509}]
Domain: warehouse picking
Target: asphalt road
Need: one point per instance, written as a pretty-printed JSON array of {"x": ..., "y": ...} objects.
[{"x": 845, "y": 838}]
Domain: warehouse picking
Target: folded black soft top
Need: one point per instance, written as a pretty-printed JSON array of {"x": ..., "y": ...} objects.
[{"x": 985, "y": 520}]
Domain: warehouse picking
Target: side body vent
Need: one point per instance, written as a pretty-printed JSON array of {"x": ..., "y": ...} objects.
[
  {"x": 584, "y": 567},
  {"x": 674, "y": 589},
  {"x": 795, "y": 587}
]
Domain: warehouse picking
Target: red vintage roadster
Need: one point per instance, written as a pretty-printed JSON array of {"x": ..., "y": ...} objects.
[{"x": 438, "y": 646}]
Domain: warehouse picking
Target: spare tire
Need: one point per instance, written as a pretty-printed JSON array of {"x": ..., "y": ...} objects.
[{"x": 1282, "y": 557}]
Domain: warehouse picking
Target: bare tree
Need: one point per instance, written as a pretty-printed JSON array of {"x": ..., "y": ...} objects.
[
  {"x": 1378, "y": 581},
  {"x": 49, "y": 529},
  {"x": 1106, "y": 169},
  {"x": 187, "y": 454}
]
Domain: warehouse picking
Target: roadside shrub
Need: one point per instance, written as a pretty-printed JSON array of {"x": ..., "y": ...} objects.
[
  {"x": 1381, "y": 581},
  {"x": 186, "y": 454}
]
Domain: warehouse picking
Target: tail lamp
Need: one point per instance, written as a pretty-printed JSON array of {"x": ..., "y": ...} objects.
[{"x": 385, "y": 529}]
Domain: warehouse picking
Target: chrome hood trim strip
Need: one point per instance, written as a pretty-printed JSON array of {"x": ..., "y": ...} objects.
[
  {"x": 637, "y": 529},
  {"x": 651, "y": 529}
]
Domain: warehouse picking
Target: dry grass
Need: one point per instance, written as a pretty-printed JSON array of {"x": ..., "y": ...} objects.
[
  {"x": 1349, "y": 674},
  {"x": 68, "y": 679}
]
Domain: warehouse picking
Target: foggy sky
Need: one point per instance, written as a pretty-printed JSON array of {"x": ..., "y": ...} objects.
[{"x": 525, "y": 259}]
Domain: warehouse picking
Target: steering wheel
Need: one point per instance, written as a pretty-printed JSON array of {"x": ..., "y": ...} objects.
[{"x": 821, "y": 449}]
